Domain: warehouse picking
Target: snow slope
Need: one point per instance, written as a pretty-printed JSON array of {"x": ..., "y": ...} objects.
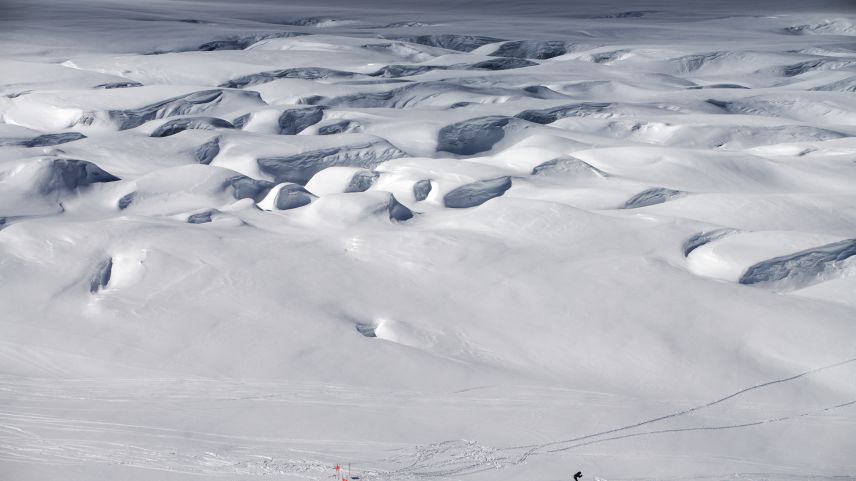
[{"x": 434, "y": 241}]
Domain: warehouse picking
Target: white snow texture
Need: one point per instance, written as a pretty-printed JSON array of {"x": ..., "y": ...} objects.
[{"x": 447, "y": 240}]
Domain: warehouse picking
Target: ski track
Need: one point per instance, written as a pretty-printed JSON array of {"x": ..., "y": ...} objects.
[
  {"x": 536, "y": 448},
  {"x": 438, "y": 460}
]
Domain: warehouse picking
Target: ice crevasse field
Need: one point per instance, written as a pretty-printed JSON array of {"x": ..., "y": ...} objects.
[{"x": 432, "y": 240}]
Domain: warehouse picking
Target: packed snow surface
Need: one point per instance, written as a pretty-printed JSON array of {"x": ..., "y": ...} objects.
[{"x": 442, "y": 240}]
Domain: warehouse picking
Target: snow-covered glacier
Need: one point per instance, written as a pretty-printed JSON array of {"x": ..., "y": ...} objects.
[{"x": 427, "y": 240}]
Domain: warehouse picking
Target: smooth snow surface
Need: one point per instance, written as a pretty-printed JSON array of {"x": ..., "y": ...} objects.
[{"x": 442, "y": 240}]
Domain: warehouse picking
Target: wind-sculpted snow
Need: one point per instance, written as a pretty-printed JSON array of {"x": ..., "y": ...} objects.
[
  {"x": 552, "y": 114},
  {"x": 542, "y": 92},
  {"x": 54, "y": 176},
  {"x": 240, "y": 43},
  {"x": 304, "y": 73},
  {"x": 428, "y": 93},
  {"x": 367, "y": 330},
  {"x": 567, "y": 166},
  {"x": 463, "y": 43},
  {"x": 46, "y": 140},
  {"x": 361, "y": 181},
  {"x": 421, "y": 189},
  {"x": 652, "y": 196},
  {"x": 805, "y": 267},
  {"x": 835, "y": 26},
  {"x": 722, "y": 137},
  {"x": 79, "y": 173},
  {"x": 629, "y": 14},
  {"x": 475, "y": 135},
  {"x": 476, "y": 193},
  {"x": 101, "y": 276},
  {"x": 125, "y": 201},
  {"x": 206, "y": 152},
  {"x": 357, "y": 208},
  {"x": 439, "y": 240},
  {"x": 118, "y": 85},
  {"x": 814, "y": 65},
  {"x": 610, "y": 57},
  {"x": 397, "y": 71},
  {"x": 339, "y": 127},
  {"x": 249, "y": 188},
  {"x": 750, "y": 63},
  {"x": 398, "y": 211},
  {"x": 718, "y": 86},
  {"x": 694, "y": 62},
  {"x": 294, "y": 121},
  {"x": 703, "y": 238},
  {"x": 795, "y": 107},
  {"x": 502, "y": 63},
  {"x": 534, "y": 49},
  {"x": 193, "y": 103},
  {"x": 403, "y": 50},
  {"x": 844, "y": 85},
  {"x": 200, "y": 217},
  {"x": 299, "y": 168},
  {"x": 292, "y": 196},
  {"x": 175, "y": 126}
]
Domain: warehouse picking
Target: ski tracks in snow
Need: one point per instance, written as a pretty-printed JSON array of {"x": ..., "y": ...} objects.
[{"x": 39, "y": 438}]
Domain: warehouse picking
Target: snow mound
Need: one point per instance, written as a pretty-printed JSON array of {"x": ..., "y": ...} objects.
[
  {"x": 242, "y": 42},
  {"x": 101, "y": 276},
  {"x": 426, "y": 94},
  {"x": 703, "y": 238},
  {"x": 294, "y": 121},
  {"x": 805, "y": 267},
  {"x": 835, "y": 26},
  {"x": 43, "y": 184},
  {"x": 299, "y": 168},
  {"x": 463, "y": 43},
  {"x": 334, "y": 180},
  {"x": 570, "y": 166},
  {"x": 304, "y": 73},
  {"x": 552, "y": 114},
  {"x": 477, "y": 135},
  {"x": 286, "y": 197},
  {"x": 340, "y": 127},
  {"x": 207, "y": 152},
  {"x": 357, "y": 208},
  {"x": 45, "y": 140},
  {"x": 421, "y": 189},
  {"x": 532, "y": 49},
  {"x": 190, "y": 104},
  {"x": 476, "y": 193},
  {"x": 783, "y": 259},
  {"x": 175, "y": 126},
  {"x": 177, "y": 190},
  {"x": 652, "y": 196}
]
